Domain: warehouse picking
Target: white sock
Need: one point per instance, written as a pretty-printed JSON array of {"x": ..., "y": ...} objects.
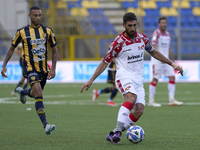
[
  {"x": 171, "y": 89},
  {"x": 122, "y": 117},
  {"x": 123, "y": 114},
  {"x": 128, "y": 123},
  {"x": 152, "y": 91}
]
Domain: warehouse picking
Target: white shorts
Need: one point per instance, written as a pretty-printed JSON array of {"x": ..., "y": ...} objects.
[
  {"x": 127, "y": 85},
  {"x": 165, "y": 69}
]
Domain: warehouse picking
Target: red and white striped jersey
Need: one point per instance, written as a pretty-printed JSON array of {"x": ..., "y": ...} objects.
[
  {"x": 162, "y": 41},
  {"x": 129, "y": 56}
]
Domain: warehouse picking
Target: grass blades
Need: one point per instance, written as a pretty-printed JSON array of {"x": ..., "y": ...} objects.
[{"x": 83, "y": 125}]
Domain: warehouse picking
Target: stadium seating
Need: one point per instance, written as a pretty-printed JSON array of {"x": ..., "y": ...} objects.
[
  {"x": 164, "y": 11},
  {"x": 183, "y": 4},
  {"x": 72, "y": 4},
  {"x": 100, "y": 22},
  {"x": 127, "y": 4},
  {"x": 3, "y": 40},
  {"x": 3, "y": 47},
  {"x": 196, "y": 11},
  {"x": 76, "y": 11},
  {"x": 90, "y": 4},
  {"x": 93, "y": 12},
  {"x": 161, "y": 4},
  {"x": 102, "y": 16},
  {"x": 189, "y": 20},
  {"x": 147, "y": 4},
  {"x": 137, "y": 11}
]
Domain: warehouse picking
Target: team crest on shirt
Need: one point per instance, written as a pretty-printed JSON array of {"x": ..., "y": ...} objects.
[
  {"x": 33, "y": 78},
  {"x": 140, "y": 47},
  {"x": 127, "y": 88},
  {"x": 44, "y": 35}
]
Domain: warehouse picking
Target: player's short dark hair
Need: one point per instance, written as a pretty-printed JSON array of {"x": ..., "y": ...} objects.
[
  {"x": 129, "y": 17},
  {"x": 34, "y": 8},
  {"x": 162, "y": 18}
]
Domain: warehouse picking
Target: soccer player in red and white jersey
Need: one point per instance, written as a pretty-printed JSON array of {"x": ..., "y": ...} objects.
[
  {"x": 128, "y": 49},
  {"x": 161, "y": 42}
]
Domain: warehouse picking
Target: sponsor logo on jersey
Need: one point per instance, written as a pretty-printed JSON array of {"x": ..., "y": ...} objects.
[
  {"x": 39, "y": 51},
  {"x": 29, "y": 36},
  {"x": 32, "y": 74},
  {"x": 134, "y": 56},
  {"x": 38, "y": 41},
  {"x": 164, "y": 44},
  {"x": 126, "y": 50}
]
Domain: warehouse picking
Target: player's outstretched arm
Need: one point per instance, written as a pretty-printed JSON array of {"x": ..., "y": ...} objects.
[
  {"x": 101, "y": 67},
  {"x": 8, "y": 55},
  {"x": 156, "y": 54}
]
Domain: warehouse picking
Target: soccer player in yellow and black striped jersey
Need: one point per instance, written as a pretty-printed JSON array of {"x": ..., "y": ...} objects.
[{"x": 36, "y": 39}]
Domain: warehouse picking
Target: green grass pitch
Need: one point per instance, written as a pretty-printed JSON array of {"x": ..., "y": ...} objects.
[{"x": 83, "y": 125}]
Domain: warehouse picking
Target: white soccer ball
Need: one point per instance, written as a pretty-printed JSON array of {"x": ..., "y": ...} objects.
[{"x": 135, "y": 134}]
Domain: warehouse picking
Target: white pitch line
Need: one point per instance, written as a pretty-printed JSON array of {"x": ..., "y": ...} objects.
[
  {"x": 15, "y": 100},
  {"x": 78, "y": 102}
]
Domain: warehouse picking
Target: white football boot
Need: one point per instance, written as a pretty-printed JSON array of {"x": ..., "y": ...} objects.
[
  {"x": 175, "y": 103},
  {"x": 22, "y": 97},
  {"x": 49, "y": 128},
  {"x": 152, "y": 103}
]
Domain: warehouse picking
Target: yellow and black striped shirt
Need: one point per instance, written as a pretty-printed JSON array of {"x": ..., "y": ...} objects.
[{"x": 35, "y": 42}]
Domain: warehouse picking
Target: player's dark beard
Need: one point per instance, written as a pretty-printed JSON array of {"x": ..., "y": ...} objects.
[
  {"x": 131, "y": 35},
  {"x": 163, "y": 29}
]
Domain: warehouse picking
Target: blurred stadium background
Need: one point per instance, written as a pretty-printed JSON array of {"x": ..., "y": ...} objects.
[{"x": 85, "y": 28}]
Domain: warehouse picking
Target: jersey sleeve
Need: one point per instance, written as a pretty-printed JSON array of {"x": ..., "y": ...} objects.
[
  {"x": 52, "y": 39},
  {"x": 154, "y": 39},
  {"x": 170, "y": 39},
  {"x": 114, "y": 49},
  {"x": 148, "y": 47},
  {"x": 16, "y": 39}
]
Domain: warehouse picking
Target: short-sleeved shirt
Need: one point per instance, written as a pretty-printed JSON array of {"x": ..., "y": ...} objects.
[
  {"x": 129, "y": 56},
  {"x": 35, "y": 43},
  {"x": 162, "y": 41}
]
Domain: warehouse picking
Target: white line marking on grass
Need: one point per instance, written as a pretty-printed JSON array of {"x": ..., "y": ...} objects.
[{"x": 15, "y": 100}]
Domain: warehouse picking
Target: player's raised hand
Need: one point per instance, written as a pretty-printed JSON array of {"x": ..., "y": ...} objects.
[
  {"x": 177, "y": 67},
  {"x": 87, "y": 85},
  {"x": 3, "y": 72}
]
